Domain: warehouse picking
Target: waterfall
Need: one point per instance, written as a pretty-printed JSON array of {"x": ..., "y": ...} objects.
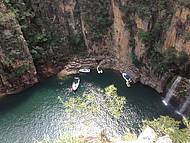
[
  {"x": 184, "y": 106},
  {"x": 171, "y": 91}
]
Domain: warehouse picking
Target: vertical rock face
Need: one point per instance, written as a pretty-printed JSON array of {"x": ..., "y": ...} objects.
[
  {"x": 140, "y": 48},
  {"x": 121, "y": 36},
  {"x": 178, "y": 35},
  {"x": 17, "y": 69}
]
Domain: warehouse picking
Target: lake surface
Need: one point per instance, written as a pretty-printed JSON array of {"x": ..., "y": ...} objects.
[{"x": 38, "y": 113}]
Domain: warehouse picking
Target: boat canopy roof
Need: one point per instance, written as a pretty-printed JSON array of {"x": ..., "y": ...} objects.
[{"x": 126, "y": 76}]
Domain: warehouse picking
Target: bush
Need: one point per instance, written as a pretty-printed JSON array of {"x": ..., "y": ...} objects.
[
  {"x": 167, "y": 59},
  {"x": 21, "y": 70},
  {"x": 185, "y": 3},
  {"x": 168, "y": 126},
  {"x": 135, "y": 60},
  {"x": 77, "y": 42},
  {"x": 182, "y": 58},
  {"x": 145, "y": 36},
  {"x": 97, "y": 18},
  {"x": 39, "y": 38}
]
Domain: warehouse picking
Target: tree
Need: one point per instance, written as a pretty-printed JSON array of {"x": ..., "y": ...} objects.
[{"x": 168, "y": 126}]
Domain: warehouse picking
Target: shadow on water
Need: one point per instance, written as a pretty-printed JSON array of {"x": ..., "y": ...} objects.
[{"x": 10, "y": 102}]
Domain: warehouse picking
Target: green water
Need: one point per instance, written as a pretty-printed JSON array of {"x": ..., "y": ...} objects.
[{"x": 37, "y": 113}]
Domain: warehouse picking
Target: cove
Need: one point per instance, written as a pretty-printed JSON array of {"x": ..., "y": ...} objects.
[{"x": 37, "y": 112}]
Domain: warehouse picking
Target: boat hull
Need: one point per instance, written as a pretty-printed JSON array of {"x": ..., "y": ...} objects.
[{"x": 75, "y": 85}]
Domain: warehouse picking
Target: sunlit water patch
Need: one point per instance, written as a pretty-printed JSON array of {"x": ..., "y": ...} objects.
[{"x": 50, "y": 109}]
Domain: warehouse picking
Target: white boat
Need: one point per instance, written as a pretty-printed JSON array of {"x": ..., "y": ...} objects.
[
  {"x": 76, "y": 83},
  {"x": 98, "y": 70},
  {"x": 127, "y": 79},
  {"x": 84, "y": 70}
]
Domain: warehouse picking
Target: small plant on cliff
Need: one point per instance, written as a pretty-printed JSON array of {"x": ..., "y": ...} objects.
[
  {"x": 135, "y": 60},
  {"x": 22, "y": 69},
  {"x": 182, "y": 58},
  {"x": 40, "y": 38},
  {"x": 98, "y": 18},
  {"x": 167, "y": 60},
  {"x": 185, "y": 3},
  {"x": 145, "y": 36},
  {"x": 77, "y": 42}
]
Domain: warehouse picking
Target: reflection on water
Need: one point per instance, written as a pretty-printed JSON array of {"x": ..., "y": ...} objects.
[
  {"x": 37, "y": 112},
  {"x": 92, "y": 111}
]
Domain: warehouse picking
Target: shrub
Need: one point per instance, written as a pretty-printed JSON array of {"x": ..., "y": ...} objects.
[
  {"x": 185, "y": 3},
  {"x": 182, "y": 58},
  {"x": 39, "y": 38},
  {"x": 21, "y": 70},
  {"x": 145, "y": 36},
  {"x": 77, "y": 42},
  {"x": 168, "y": 126},
  {"x": 135, "y": 60}
]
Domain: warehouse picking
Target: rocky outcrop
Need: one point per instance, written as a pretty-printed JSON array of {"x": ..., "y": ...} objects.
[
  {"x": 17, "y": 70},
  {"x": 77, "y": 63}
]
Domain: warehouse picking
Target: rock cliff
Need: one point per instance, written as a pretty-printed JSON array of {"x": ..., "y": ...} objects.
[
  {"x": 149, "y": 39},
  {"x": 17, "y": 70}
]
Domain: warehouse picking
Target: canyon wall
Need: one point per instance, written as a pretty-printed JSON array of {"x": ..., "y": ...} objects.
[
  {"x": 149, "y": 39},
  {"x": 17, "y": 70}
]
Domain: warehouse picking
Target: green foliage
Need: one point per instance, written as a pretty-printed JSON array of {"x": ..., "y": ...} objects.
[
  {"x": 182, "y": 58},
  {"x": 135, "y": 60},
  {"x": 19, "y": 9},
  {"x": 147, "y": 9},
  {"x": 21, "y": 70},
  {"x": 132, "y": 43},
  {"x": 173, "y": 56},
  {"x": 145, "y": 36},
  {"x": 129, "y": 137},
  {"x": 141, "y": 7},
  {"x": 186, "y": 122},
  {"x": 81, "y": 104},
  {"x": 77, "y": 42},
  {"x": 111, "y": 90},
  {"x": 114, "y": 102},
  {"x": 39, "y": 38},
  {"x": 97, "y": 17},
  {"x": 164, "y": 125},
  {"x": 90, "y": 102},
  {"x": 185, "y": 3},
  {"x": 167, "y": 59},
  {"x": 168, "y": 126}
]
